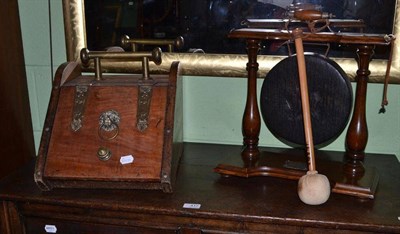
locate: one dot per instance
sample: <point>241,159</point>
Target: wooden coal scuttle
<point>112,131</point>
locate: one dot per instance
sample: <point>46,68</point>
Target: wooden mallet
<point>313,188</point>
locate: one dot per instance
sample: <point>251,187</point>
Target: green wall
<point>213,105</point>
<point>214,108</point>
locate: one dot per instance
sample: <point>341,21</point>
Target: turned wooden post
<point>251,123</point>
<point>357,133</point>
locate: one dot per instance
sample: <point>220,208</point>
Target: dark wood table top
<point>259,200</point>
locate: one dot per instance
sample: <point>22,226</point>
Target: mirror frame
<point>219,65</point>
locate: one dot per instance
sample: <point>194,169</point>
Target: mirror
<point>212,63</point>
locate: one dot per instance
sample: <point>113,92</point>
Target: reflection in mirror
<point>205,24</point>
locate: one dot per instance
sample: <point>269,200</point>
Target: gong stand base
<point>346,177</point>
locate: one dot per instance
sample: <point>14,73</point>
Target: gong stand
<point>353,178</point>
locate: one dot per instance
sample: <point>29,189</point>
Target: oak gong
<point>330,96</point>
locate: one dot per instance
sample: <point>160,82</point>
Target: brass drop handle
<point>126,41</point>
<point>109,125</point>
<point>145,57</point>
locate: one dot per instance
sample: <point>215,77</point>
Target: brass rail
<point>134,42</point>
<point>145,57</point>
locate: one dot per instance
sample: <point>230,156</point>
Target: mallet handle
<point>305,103</point>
